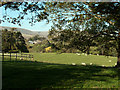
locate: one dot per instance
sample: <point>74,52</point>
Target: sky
<point>39,26</point>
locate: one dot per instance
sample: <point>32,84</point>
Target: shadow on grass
<point>28,74</point>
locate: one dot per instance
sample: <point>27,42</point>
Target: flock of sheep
<point>90,63</point>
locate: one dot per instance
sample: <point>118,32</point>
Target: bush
<point>13,51</point>
<point>40,47</point>
<point>63,50</point>
<point>59,52</point>
<point>71,50</point>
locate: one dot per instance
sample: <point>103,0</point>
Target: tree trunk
<point>118,51</point>
<point>88,50</point>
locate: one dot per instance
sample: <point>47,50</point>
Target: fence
<point>16,56</point>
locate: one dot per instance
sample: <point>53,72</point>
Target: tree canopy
<point>13,42</point>
<point>97,18</point>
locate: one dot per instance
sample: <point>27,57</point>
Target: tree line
<point>13,41</point>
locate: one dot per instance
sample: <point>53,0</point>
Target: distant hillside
<point>27,33</point>
<point>42,33</point>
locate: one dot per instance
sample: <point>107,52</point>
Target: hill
<point>27,33</point>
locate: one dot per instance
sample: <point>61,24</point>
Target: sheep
<point>78,54</point>
<point>21,58</point>
<point>97,54</point>
<point>90,63</point>
<point>73,64</point>
<point>103,65</point>
<point>85,54</point>
<point>115,64</point>
<point>83,64</point>
<point>32,59</point>
<point>109,60</point>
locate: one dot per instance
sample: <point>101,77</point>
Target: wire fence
<point>16,56</point>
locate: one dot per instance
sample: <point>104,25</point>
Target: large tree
<point>109,13</point>
<point>98,18</point>
<point>13,42</point>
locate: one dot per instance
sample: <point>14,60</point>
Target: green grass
<point>55,71</point>
<point>24,74</point>
<point>69,58</point>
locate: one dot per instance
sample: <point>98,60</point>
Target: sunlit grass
<point>69,58</point>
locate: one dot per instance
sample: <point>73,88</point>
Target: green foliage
<point>94,17</point>
<point>71,39</point>
<point>24,8</point>
<point>40,47</point>
<point>13,41</point>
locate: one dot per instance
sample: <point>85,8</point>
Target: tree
<point>68,38</point>
<point>13,41</point>
<point>40,47</point>
<point>99,18</point>
<point>110,13</point>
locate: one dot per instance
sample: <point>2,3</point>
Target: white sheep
<point>103,65</point>
<point>83,64</point>
<point>73,64</point>
<point>83,54</point>
<point>78,54</point>
<point>115,64</point>
<point>21,58</point>
<point>97,54</point>
<point>90,63</point>
<point>109,60</point>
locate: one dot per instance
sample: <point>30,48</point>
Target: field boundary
<point>17,56</point>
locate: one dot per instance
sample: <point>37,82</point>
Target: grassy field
<point>55,71</point>
<point>69,58</point>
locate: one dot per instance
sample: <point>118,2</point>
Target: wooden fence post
<point>2,56</point>
<point>10,56</point>
<point>26,56</point>
<point>32,58</point>
<point>16,56</point>
<point>29,56</point>
<point>21,56</point>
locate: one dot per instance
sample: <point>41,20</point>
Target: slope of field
<point>69,58</point>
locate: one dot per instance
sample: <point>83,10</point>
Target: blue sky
<point>39,26</point>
